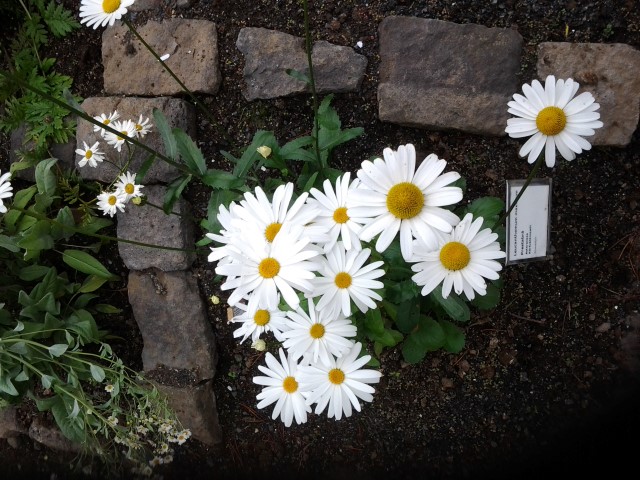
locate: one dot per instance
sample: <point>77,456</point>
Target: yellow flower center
<point>112,200</point>
<point>551,121</point>
<point>262,317</point>
<point>336,376</point>
<point>340,215</point>
<point>290,385</point>
<point>129,188</point>
<point>343,280</point>
<point>106,121</point>
<point>138,127</point>
<point>405,200</point>
<point>271,231</point>
<point>88,154</point>
<point>123,135</point>
<point>455,256</point>
<point>317,330</point>
<point>110,6</point>
<point>269,267</point>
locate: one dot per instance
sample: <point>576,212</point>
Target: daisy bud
<point>259,345</point>
<point>215,300</point>
<point>264,151</point>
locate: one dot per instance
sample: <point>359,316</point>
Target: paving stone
<point>51,436</point>
<point>64,152</point>
<point>148,224</point>
<point>445,76</point>
<point>610,72</point>
<point>9,425</point>
<point>179,114</point>
<point>172,319</point>
<point>130,69</point>
<point>269,53</point>
<point>195,407</point>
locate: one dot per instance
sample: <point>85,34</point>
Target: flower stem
<point>532,174</point>
<point>195,100</point>
<point>312,82</point>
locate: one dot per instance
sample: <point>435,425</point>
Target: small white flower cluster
<point>272,250</point>
<point>125,188</point>
<point>147,430</point>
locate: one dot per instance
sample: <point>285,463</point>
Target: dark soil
<point>547,381</point>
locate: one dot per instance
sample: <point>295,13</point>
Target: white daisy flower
<point>91,155</point>
<point>227,218</point>
<point>258,321</point>
<point>99,13</point>
<point>281,386</point>
<point>127,129</point>
<point>111,202</point>
<point>267,217</point>
<point>553,118</point>
<point>398,198</point>
<point>105,120</point>
<point>344,277</point>
<point>334,215</point>
<point>142,126</point>
<point>127,184</point>
<point>262,269</point>
<point>460,260</point>
<point>340,384</point>
<point>317,335</point>
<point>6,190</point>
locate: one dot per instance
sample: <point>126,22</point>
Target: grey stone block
<point>130,69</point>
<point>445,76</point>
<point>148,224</point>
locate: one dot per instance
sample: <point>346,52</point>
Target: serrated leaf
<point>189,152</point>
<point>173,192</point>
<point>408,315</point>
<point>85,263</point>
<point>488,301</point>
<point>169,140</point>
<point>219,179</point>
<point>429,334</point>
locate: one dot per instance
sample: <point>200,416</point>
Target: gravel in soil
<point>547,381</point>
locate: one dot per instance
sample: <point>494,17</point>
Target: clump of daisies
<point>302,270</point>
<point>125,186</point>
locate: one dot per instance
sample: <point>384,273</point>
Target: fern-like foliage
<point>44,120</point>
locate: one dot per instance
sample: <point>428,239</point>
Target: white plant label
<point>528,222</point>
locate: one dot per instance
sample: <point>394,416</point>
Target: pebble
<point>603,327</point>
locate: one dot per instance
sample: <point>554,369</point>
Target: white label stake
<point>528,223</point>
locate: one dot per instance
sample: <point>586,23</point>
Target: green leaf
<point>454,337</point>
<point>97,373</point>
<point>385,338</point>
<point>94,225</point>
<point>69,426</point>
<point>57,349</point>
<point>488,301</point>
<point>33,272</point>
<point>106,308</point>
<point>64,219</point>
<point>9,243</point>
<point>408,315</point>
<point>85,263</point>
<point>250,154</point>
<point>292,72</point>
<point>6,386</point>
<point>92,283</point>
<point>20,200</point>
<point>36,239</point>
<point>144,168</point>
<point>190,153</point>
<point>46,380</point>
<point>220,179</point>
<point>453,305</point>
<point>169,140</point>
<point>412,351</point>
<point>486,207</point>
<point>174,190</point>
<point>373,322</point>
<point>45,179</point>
<point>429,334</point>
